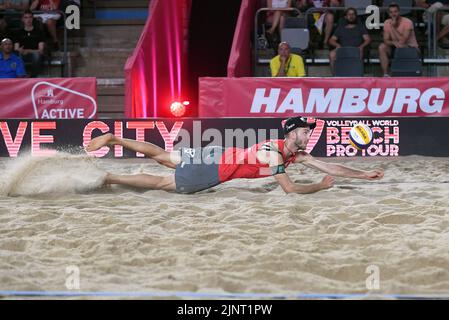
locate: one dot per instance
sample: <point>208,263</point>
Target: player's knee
<point>164,159</point>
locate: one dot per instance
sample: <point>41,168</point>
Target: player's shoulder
<point>303,156</point>
<point>268,152</point>
<point>269,145</point>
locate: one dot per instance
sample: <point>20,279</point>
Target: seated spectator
<point>286,64</point>
<point>30,43</point>
<point>442,18</point>
<point>398,33</point>
<point>351,33</point>
<point>11,66</point>
<point>4,30</point>
<point>49,18</point>
<point>277,17</point>
<point>19,5</point>
<point>12,8</point>
<point>325,19</point>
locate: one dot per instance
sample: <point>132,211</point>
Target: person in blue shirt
<point>11,66</point>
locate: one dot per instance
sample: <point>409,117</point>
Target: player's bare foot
<point>101,141</point>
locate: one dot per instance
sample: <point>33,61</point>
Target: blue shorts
<point>198,169</point>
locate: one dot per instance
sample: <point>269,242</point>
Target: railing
<point>434,33</point>
<point>64,72</point>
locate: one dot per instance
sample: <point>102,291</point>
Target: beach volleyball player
<point>200,169</point>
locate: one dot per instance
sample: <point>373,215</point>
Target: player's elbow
<point>290,188</point>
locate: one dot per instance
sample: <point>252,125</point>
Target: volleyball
<point>360,136</point>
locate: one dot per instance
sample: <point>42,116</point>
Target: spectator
<point>286,64</point>
<point>4,30</point>
<point>12,9</point>
<point>277,17</point>
<point>49,18</point>
<point>30,43</point>
<point>11,66</point>
<point>351,33</point>
<point>442,18</point>
<point>19,5</point>
<point>398,33</point>
<point>325,19</point>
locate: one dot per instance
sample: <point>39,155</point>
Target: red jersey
<point>45,5</point>
<point>239,163</point>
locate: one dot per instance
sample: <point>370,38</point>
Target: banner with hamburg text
<point>324,97</point>
<point>55,98</point>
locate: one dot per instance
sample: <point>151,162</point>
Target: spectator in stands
<point>19,5</point>
<point>30,43</point>
<point>4,30</point>
<point>442,18</point>
<point>325,19</point>
<point>398,33</point>
<point>286,64</point>
<point>49,18</point>
<point>351,33</point>
<point>13,8</point>
<point>276,17</point>
<point>11,66</point>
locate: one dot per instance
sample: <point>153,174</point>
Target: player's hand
<point>327,182</point>
<point>374,175</point>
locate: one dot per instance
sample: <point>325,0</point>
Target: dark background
<point>211,31</point>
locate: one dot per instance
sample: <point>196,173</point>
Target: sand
<point>244,236</point>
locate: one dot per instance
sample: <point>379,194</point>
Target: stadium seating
<point>348,63</point>
<point>359,5</point>
<point>406,63</point>
<point>298,38</point>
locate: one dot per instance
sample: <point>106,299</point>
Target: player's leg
<point>168,159</point>
<point>146,181</point>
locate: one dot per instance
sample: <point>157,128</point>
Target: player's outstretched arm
<point>276,165</point>
<point>290,187</point>
<point>339,170</point>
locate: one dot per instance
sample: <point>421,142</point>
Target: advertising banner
<point>392,137</point>
<point>55,98</point>
<point>324,97</point>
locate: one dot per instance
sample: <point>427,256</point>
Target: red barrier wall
<point>53,98</point>
<point>240,59</point>
<point>323,97</point>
